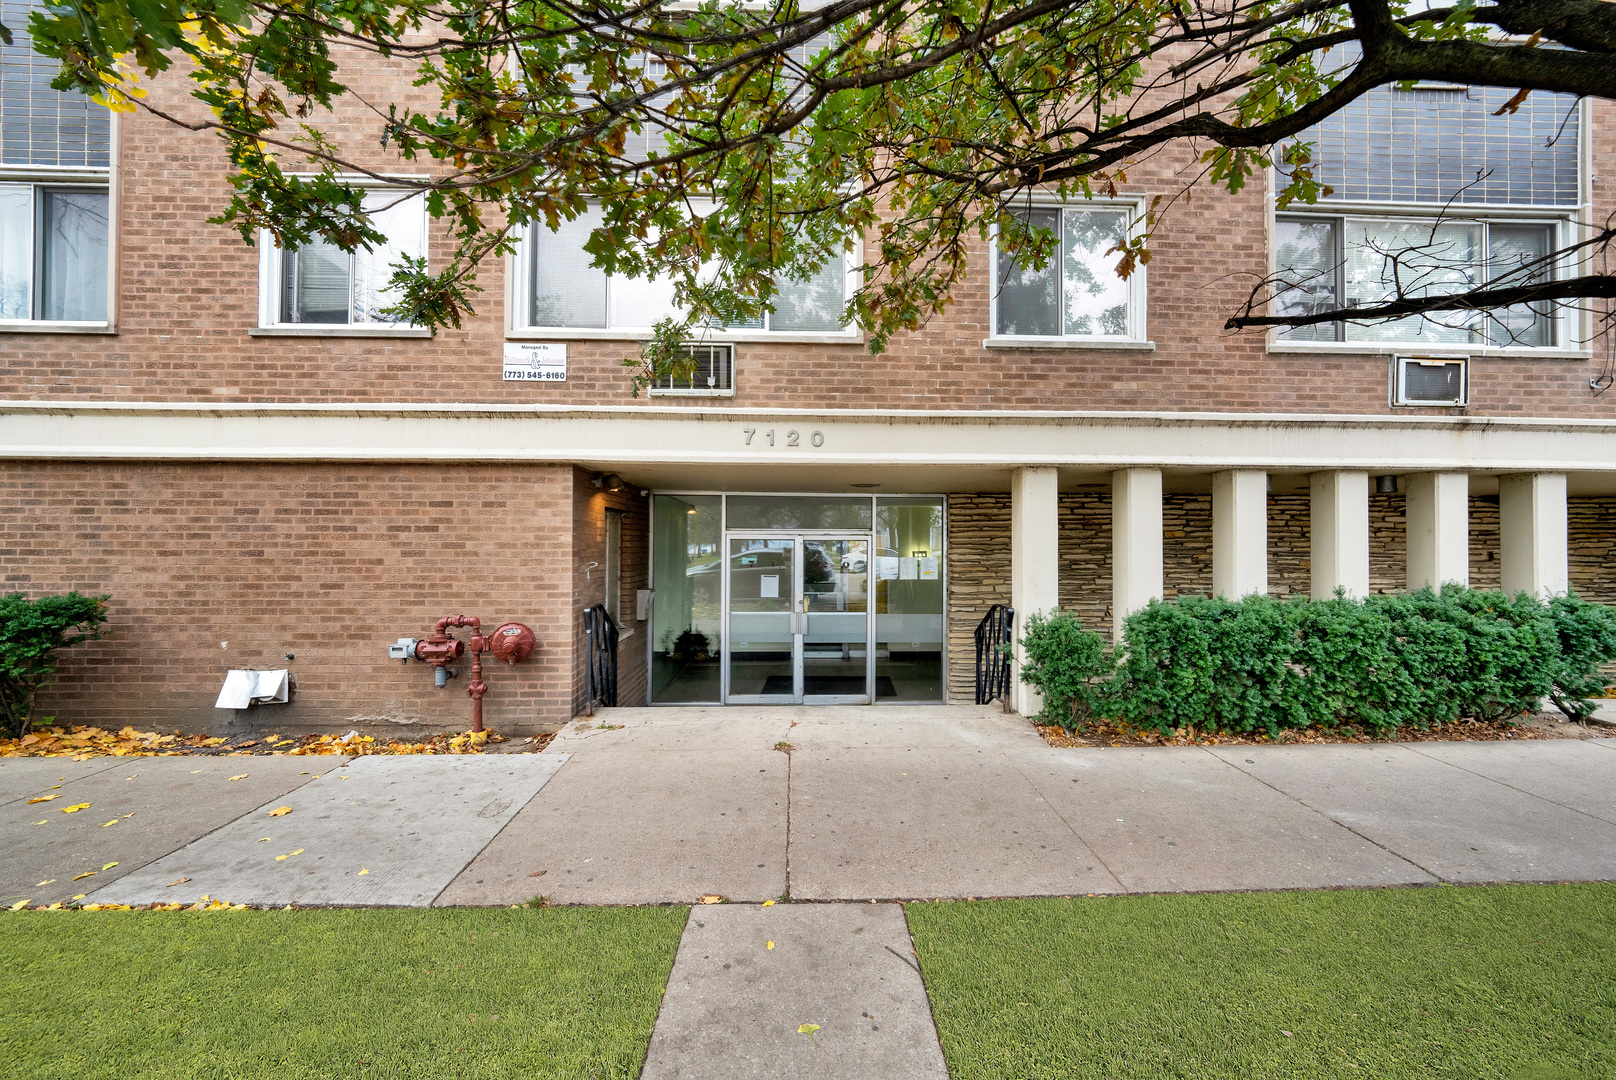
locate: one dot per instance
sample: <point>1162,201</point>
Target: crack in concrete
<point>1512,787</point>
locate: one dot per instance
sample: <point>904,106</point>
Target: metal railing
<point>994,635</point>
<point>600,658</point>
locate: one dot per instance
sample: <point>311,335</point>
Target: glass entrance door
<point>798,615</point>
<point>763,643</point>
<point>836,617</point>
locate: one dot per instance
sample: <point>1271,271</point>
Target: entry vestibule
<point>785,599</point>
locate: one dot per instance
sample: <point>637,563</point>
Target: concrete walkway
<point>667,805</point>
<point>897,802</point>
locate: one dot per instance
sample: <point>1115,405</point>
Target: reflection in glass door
<point>763,645</point>
<point>836,632</point>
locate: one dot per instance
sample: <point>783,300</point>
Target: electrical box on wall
<point>642,604</point>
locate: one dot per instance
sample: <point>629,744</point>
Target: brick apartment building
<point>261,474</point>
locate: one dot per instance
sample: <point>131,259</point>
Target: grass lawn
<point>1515,982</point>
<point>302,994</point>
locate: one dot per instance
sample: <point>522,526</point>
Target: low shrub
<point>1261,664</point>
<point>1066,663</point>
<point>31,632</point>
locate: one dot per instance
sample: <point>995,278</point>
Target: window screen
<point>567,290</point>
<point>322,284</point>
<point>38,125</point>
<point>1078,294</point>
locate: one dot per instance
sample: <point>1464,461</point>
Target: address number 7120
<point>792,437</point>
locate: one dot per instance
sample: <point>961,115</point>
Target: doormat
<point>842,685</point>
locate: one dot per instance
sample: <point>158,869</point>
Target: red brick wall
<point>218,566</point>
<point>189,295</point>
<point>589,507</point>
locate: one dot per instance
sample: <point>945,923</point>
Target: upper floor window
<point>1433,194</point>
<point>319,284</point>
<point>1078,293</point>
<point>557,289</point>
<point>55,161</point>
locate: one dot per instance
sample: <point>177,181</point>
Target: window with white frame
<point>319,284</point>
<point>558,289</point>
<point>55,205</point>
<point>1433,194</point>
<point>1078,293</point>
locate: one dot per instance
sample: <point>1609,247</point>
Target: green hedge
<point>1261,664</point>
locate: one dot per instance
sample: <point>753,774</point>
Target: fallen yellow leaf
<point>81,896</point>
<point>42,884</point>
<point>87,873</point>
<point>19,905</point>
<point>768,903</point>
<point>299,851</point>
<point>239,776</point>
<point>771,944</point>
<point>263,839</point>
<point>114,821</point>
<point>43,798</point>
<point>280,811</point>
<point>109,866</point>
<point>75,808</point>
<point>41,822</point>
<point>807,1029</point>
<point>176,881</point>
<point>711,900</point>
<point>362,872</point>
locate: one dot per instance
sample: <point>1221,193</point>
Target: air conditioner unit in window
<point>712,372</point>
<point>1430,380</point>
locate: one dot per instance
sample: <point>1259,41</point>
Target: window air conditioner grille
<point>713,372</point>
<point>1423,380</point>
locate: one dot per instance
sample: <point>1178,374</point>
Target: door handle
<point>799,622</point>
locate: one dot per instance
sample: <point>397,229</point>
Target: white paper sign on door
<point>908,568</point>
<point>769,586</point>
<point>929,567</point>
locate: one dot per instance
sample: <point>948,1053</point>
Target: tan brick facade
<point>215,565</point>
<point>979,555</point>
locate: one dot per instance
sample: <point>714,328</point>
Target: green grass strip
<point>477,994</point>
<point>1514,982</point>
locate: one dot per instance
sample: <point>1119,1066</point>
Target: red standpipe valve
<point>512,643</point>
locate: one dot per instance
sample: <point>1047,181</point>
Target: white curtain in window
<point>403,222</point>
<point>16,250</point>
<point>814,303</point>
<point>1096,298</point>
<point>566,291</point>
<point>1413,259</point>
<point>638,302</point>
<point>74,280</point>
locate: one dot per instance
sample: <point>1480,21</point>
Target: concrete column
<point>1438,529</point>
<point>1034,564</point>
<point>1533,546</point>
<point>1340,533</point>
<point>1136,543</point>
<point>1239,533</point>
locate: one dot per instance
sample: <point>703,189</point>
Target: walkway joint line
<point>1512,787</point>
<point>1329,817</point>
<point>1069,827</point>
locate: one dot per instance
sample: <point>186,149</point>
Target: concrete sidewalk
<point>929,802</point>
<point>666,805</point>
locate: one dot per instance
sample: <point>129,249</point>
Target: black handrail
<point>600,658</point>
<point>994,635</point>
